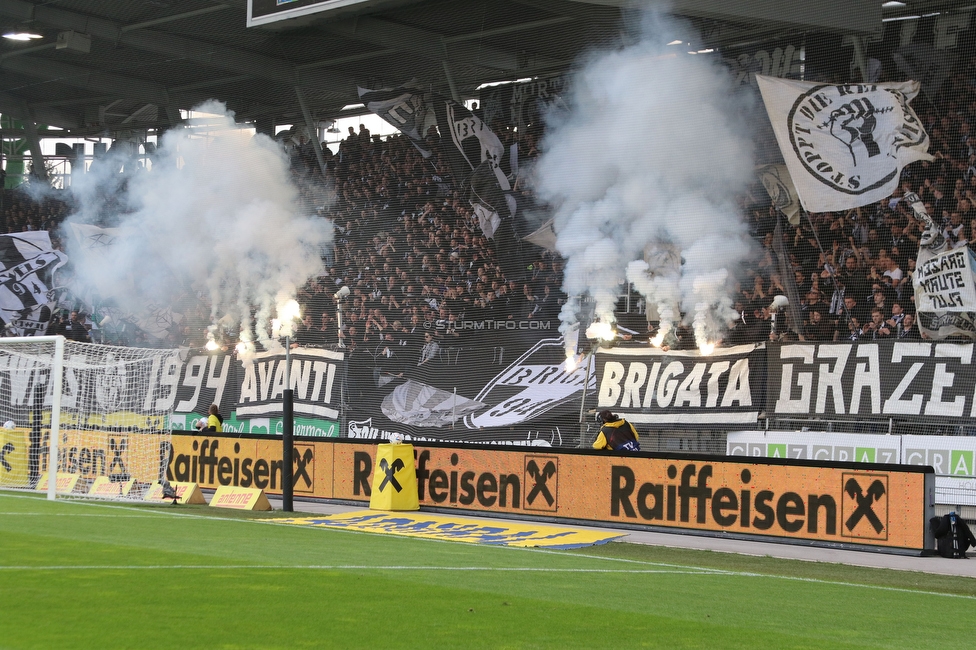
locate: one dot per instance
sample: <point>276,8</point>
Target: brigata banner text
<point>652,386</point>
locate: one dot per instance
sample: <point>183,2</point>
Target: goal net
<point>102,411</point>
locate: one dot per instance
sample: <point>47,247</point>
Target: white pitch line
<point>565,553</point>
<point>71,514</point>
<point>333,567</point>
<point>363,567</point>
<point>838,583</point>
<point>683,569</point>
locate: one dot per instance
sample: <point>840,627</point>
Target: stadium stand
<point>408,245</point>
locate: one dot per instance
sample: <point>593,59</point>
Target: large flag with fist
<point>844,145</point>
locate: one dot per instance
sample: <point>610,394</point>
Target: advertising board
<point>835,503</point>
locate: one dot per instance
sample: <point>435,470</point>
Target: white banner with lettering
<point>945,292</point>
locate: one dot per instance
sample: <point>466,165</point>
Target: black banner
<point>249,394</point>
<point>775,59</point>
<point>652,387</point>
<point>506,386</point>
<point>521,105</point>
<point>513,387</point>
<point>881,379</point>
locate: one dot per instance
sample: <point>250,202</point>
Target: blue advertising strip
<point>460,529</point>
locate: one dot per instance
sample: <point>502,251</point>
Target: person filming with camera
<point>616,434</point>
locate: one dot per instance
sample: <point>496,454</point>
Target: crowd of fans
<point>20,213</point>
<point>407,245</point>
<point>853,270</point>
<point>410,249</point>
<point>418,267</point>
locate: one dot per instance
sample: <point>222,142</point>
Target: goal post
<point>57,381</point>
<point>84,419</point>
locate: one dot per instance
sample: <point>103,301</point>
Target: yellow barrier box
<point>187,493</point>
<point>103,486</point>
<point>394,479</point>
<point>13,457</point>
<point>239,498</point>
<point>65,485</point>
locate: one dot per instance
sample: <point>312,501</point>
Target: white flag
<point>27,285</point>
<point>844,145</point>
<point>776,179</point>
<point>945,292</point>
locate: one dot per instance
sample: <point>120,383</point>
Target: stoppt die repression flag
<point>844,145</point>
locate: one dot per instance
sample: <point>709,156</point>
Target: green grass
<point>96,575</point>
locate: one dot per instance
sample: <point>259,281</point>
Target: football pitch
<point>82,574</point>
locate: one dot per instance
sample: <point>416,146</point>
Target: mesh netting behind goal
<point>110,414</point>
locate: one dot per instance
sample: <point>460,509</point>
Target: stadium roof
<point>112,65</point>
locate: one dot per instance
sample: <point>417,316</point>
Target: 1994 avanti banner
<point>250,394</point>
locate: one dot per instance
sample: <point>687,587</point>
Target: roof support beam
<point>428,44</point>
<point>215,56</point>
<point>136,114</point>
<point>88,79</point>
<point>313,132</point>
<point>450,82</point>
<point>386,51</point>
<point>16,106</point>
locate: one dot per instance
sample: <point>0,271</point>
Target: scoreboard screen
<point>263,12</point>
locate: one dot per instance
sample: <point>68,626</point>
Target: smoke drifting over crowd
<point>644,166</point>
<point>217,216</point>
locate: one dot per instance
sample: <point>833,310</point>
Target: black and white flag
<point>406,108</point>
<point>474,153</point>
<point>27,287</point>
<point>844,145</point>
<point>923,62</point>
<point>776,179</point>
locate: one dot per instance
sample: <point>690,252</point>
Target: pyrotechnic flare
<point>217,214</point>
<point>667,171</point>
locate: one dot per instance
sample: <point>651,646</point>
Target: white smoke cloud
<point>217,215</point>
<point>649,155</point>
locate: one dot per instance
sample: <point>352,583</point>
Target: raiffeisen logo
<point>687,497</point>
<point>535,489</point>
<point>215,462</point>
